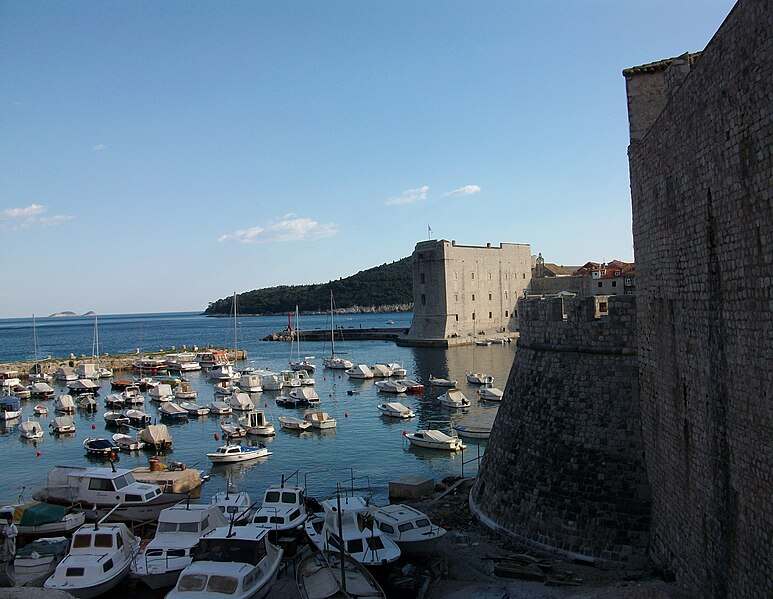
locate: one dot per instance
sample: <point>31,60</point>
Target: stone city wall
<point>564,470</point>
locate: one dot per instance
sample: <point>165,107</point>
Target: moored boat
<point>320,420</point>
<point>62,425</point>
<point>256,423</point>
<point>127,442</point>
<point>472,432</point>
<point>409,528</point>
<point>395,409</point>
<point>390,387</point>
<point>490,394</point>
<point>31,429</point>
<point>361,371</point>
<point>440,382</point>
<point>322,575</point>
<point>10,408</point>
<point>228,454</point>
<point>454,398</point>
<point>480,378</point>
<point>283,511</point>
<point>35,519</point>
<point>411,386</point>
<point>220,408</point>
<point>293,424</point>
<point>232,430</point>
<point>64,404</point>
<point>194,409</point>
<point>172,411</point>
<point>434,439</point>
<point>36,561</point>
<point>100,447</point>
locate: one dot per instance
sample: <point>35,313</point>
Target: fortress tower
<point>463,291</point>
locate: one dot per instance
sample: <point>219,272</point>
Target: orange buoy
<point>217,437</point>
<point>38,454</point>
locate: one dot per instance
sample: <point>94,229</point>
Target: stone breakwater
<point>115,362</point>
<point>563,472</point>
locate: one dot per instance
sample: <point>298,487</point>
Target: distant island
<point>67,314</point>
<point>385,288</point>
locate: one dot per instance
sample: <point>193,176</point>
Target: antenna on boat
<point>341,544</point>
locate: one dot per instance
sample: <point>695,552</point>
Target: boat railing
<point>347,489</point>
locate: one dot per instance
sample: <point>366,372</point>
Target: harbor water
<point>365,449</point>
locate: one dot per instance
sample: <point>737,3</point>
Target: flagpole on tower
<point>429,232</point>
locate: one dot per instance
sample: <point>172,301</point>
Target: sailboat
<point>478,378</point>
<point>104,373</point>
<point>333,361</point>
<point>36,374</point>
<point>295,339</point>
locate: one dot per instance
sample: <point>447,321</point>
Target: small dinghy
<point>228,454</point>
<point>472,432</point>
<point>390,387</point>
<point>138,418</point>
<point>479,378</point>
<point>87,403</point>
<point>100,447</point>
<point>115,419</point>
<point>233,504</point>
<point>40,410</point>
<point>454,398</point>
<point>435,439</point>
<point>293,424</point>
<point>36,561</point>
<point>62,425</point>
<point>321,576</point>
<point>171,411</point>
<point>220,408</point>
<point>256,424</point>
<point>232,430</point>
<point>490,394</point>
<point>194,409</point>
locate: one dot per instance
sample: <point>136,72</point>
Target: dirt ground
<point>463,566</point>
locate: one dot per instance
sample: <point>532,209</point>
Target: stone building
<point>701,170</point>
<point>464,291</point>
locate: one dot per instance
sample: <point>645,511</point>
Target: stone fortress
<point>646,432</point>
<point>461,292</point>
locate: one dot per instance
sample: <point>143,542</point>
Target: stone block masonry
<point>564,469</point>
<point>701,167</point>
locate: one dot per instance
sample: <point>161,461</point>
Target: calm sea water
<point>365,445</point>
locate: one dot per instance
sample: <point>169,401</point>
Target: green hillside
<point>385,285</point>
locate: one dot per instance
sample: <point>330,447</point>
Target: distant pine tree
<point>385,285</point>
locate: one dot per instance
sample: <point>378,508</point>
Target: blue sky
<point>155,156</point>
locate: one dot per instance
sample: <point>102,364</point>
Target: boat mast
<point>236,361</point>
<point>332,328</point>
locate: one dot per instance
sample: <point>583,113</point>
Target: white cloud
<point>409,196</point>
<point>99,147</point>
<point>467,190</point>
<point>290,228</point>
<point>29,216</point>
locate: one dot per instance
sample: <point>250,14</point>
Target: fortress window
<point>614,283</point>
<point>524,275</point>
<point>473,297</point>
<point>601,283</point>
<point>473,315</point>
<point>473,274</point>
<point>490,315</point>
<point>422,278</point>
<point>489,297</point>
<point>423,300</point>
<point>505,313</point>
<point>515,313</point>
<point>457,317</point>
<point>455,277</point>
<point>489,276</point>
<point>456,297</point>
<point>505,294</point>
<point>505,275</point>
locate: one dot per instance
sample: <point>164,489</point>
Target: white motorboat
<point>271,381</point>
<point>80,386</point>
<point>30,430</point>
<point>283,511</point>
<point>333,361</point>
<point>361,371</point>
<point>9,379</point>
<point>237,562</point>
<point>220,408</point>
<point>109,489</point>
<point>185,391</point>
<point>100,447</point>
<point>228,454</point>
<point>235,505</point>
<point>409,528</point>
<point>490,394</point>
<point>256,423</point>
<point>132,396</point>
<point>480,378</point>
<point>483,342</point>
<point>411,386</point>
<point>150,366</point>
<point>64,404</point>
<point>396,410</point>
<point>381,370</point>
<point>438,382</point>
<point>289,378</point>
<point>345,520</point>
<point>299,364</point>
<point>469,431</point>
<point>98,560</point>
<point>293,424</point>
<point>454,398</point>
<point>435,439</point>
<point>390,387</point>
<point>223,372</point>
<point>127,442</point>
<point>182,362</point>
<point>36,561</point>
<point>62,425</point>
<point>320,420</point>
<point>21,392</point>
<point>304,377</point>
<point>161,393</point>
<point>115,400</point>
<point>210,359</point>
<point>397,369</point>
<point>87,371</point>
<point>138,418</point>
<point>251,383</point>
<point>36,519</point>
<point>322,575</point>
<point>225,388</point>
<point>172,411</point>
<point>160,563</point>
<point>232,430</point>
<point>43,390</point>
<point>65,374</point>
<point>10,408</point>
<point>305,395</point>
<point>290,402</point>
<point>194,409</point>
<point>40,410</point>
<point>241,402</point>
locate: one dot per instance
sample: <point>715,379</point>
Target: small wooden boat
<point>293,424</point>
<point>228,454</point>
<point>396,410</point>
<point>231,430</point>
<point>320,420</point>
<point>472,432</point>
<point>320,576</point>
<point>36,519</point>
<point>36,561</point>
<point>40,410</point>
<point>434,439</point>
<point>30,430</point>
<point>438,382</point>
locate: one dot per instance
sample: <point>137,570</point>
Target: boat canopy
<point>36,514</point>
<point>156,434</point>
<point>12,402</point>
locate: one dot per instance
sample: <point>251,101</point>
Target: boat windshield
<point>230,550</point>
<point>272,497</point>
<point>122,481</point>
